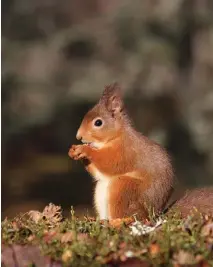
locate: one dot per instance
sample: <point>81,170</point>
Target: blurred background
<point>56,58</point>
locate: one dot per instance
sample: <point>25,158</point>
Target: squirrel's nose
<point>78,136</point>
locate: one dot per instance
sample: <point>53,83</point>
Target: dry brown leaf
<point>117,223</point>
<point>67,237</point>
<point>205,264</point>
<point>16,226</point>
<point>35,215</point>
<point>50,235</point>
<point>202,262</point>
<point>123,257</point>
<point>122,245</point>
<point>52,214</point>
<point>31,238</point>
<point>154,249</point>
<point>67,255</point>
<point>82,237</point>
<point>184,257</point>
<point>199,258</point>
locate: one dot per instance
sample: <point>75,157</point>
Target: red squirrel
<point>132,172</point>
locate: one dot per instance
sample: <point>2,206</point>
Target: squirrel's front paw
<point>77,152</point>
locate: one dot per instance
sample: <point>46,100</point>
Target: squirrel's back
<point>154,159</point>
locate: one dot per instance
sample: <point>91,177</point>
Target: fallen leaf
<point>52,214</point>
<point>50,235</point>
<point>122,245</point>
<point>67,255</point>
<point>16,226</point>
<point>205,264</point>
<point>154,249</point>
<point>35,215</point>
<point>82,237</point>
<point>117,223</point>
<point>67,237</point>
<point>184,257</point>
<point>123,257</point>
<point>31,238</point>
<point>199,258</point>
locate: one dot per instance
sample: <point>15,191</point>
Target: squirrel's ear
<point>112,99</point>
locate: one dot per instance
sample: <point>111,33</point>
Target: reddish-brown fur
<point>136,171</point>
<point>139,170</point>
<point>126,198</point>
<point>200,200</point>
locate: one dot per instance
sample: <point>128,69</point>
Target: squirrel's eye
<point>98,123</point>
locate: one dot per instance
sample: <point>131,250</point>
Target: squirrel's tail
<point>200,200</point>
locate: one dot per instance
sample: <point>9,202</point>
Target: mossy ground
<point>91,242</point>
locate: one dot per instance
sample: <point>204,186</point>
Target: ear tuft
<point>111,89</point>
<point>112,98</point>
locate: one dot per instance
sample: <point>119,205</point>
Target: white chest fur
<point>101,195</point>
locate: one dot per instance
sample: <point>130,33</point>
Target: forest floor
<point>47,239</point>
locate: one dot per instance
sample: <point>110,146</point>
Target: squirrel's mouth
<point>91,144</point>
<point>87,142</point>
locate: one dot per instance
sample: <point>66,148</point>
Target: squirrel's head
<point>104,122</point>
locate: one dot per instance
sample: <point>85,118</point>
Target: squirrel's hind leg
<point>126,198</point>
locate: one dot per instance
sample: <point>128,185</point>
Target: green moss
<point>92,242</point>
